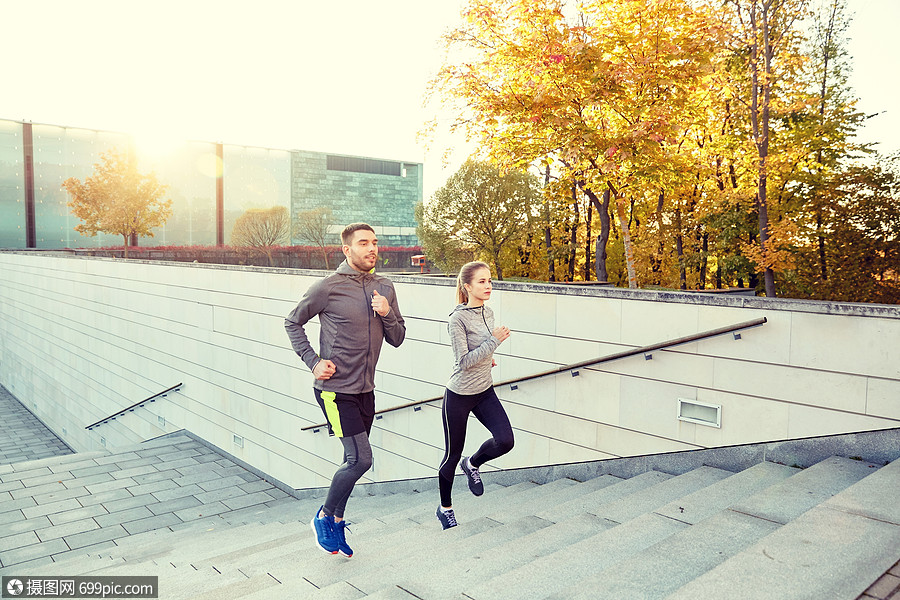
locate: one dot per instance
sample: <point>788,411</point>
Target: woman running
<point>471,388</point>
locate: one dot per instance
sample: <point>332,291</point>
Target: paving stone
<point>278,494</point>
<point>110,485</point>
<point>234,469</point>
<point>44,479</point>
<point>154,522</point>
<point>179,492</point>
<point>220,494</point>
<point>65,529</point>
<point>89,538</point>
<point>136,462</point>
<point>153,487</point>
<point>123,516</point>
<point>256,486</point>
<point>61,495</point>
<point>197,469</point>
<point>74,465</point>
<point>116,458</point>
<point>90,480</point>
<point>215,484</point>
<point>32,552</point>
<point>24,524</point>
<point>11,485</point>
<point>20,475</point>
<point>11,516</point>
<point>181,463</point>
<point>20,504</point>
<point>245,500</point>
<point>203,510</point>
<point>51,507</point>
<point>174,505</point>
<point>17,540</point>
<point>169,473</point>
<point>82,551</point>
<point>77,514</point>
<point>197,477</point>
<point>126,503</point>
<point>28,566</point>
<point>47,488</point>
<point>104,497</point>
<point>140,470</point>
<point>177,455</point>
<point>885,585</point>
<point>94,470</point>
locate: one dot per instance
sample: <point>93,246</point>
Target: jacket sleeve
<point>464,357</point>
<point>393,324</point>
<point>312,303</point>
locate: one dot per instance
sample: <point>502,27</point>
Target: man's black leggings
<point>357,460</point>
<point>487,408</point>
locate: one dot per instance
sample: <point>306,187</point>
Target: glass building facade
<point>210,186</point>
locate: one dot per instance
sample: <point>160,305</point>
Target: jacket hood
<point>461,307</point>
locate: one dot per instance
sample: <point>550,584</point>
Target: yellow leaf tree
<point>118,199</point>
<point>603,94</point>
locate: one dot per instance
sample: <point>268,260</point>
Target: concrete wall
<point>81,338</point>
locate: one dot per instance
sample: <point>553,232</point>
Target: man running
<point>357,310</point>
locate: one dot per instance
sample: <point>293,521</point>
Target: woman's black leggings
<point>487,408</point>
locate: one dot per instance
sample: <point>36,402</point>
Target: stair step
<point>606,494</point>
<point>715,535</point>
<point>794,496</point>
<point>834,550</point>
<point>476,566</point>
<point>545,574</point>
<point>433,562</point>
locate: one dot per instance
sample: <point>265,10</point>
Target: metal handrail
<point>645,350</point>
<point>134,406</point>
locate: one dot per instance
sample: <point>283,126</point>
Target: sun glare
<point>155,144</point>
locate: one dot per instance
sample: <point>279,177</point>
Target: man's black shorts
<point>347,414</point>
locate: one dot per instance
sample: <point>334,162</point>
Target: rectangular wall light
<point>701,413</point>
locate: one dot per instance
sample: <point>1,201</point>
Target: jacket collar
<point>345,269</point>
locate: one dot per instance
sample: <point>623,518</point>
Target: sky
<point>343,76</point>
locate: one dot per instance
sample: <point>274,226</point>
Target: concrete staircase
<point>768,531</point>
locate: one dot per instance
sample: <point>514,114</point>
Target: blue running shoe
<point>447,518</point>
<point>472,474</point>
<point>325,536</point>
<point>343,548</point>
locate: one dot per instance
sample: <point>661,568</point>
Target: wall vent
<point>701,413</point>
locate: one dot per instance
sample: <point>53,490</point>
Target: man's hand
<point>324,369</point>
<point>380,304</point>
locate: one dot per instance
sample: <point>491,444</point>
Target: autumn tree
<point>482,210</point>
<point>600,94</point>
<point>314,226</point>
<point>766,40</point>
<point>261,230</point>
<point>118,199</point>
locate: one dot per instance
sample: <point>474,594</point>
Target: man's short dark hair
<point>349,230</point>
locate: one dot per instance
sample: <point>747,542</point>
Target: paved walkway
<point>23,436</point>
<point>55,503</point>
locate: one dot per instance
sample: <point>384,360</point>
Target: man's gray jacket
<point>350,333</point>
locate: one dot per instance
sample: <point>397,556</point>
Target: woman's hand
<point>501,333</point>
